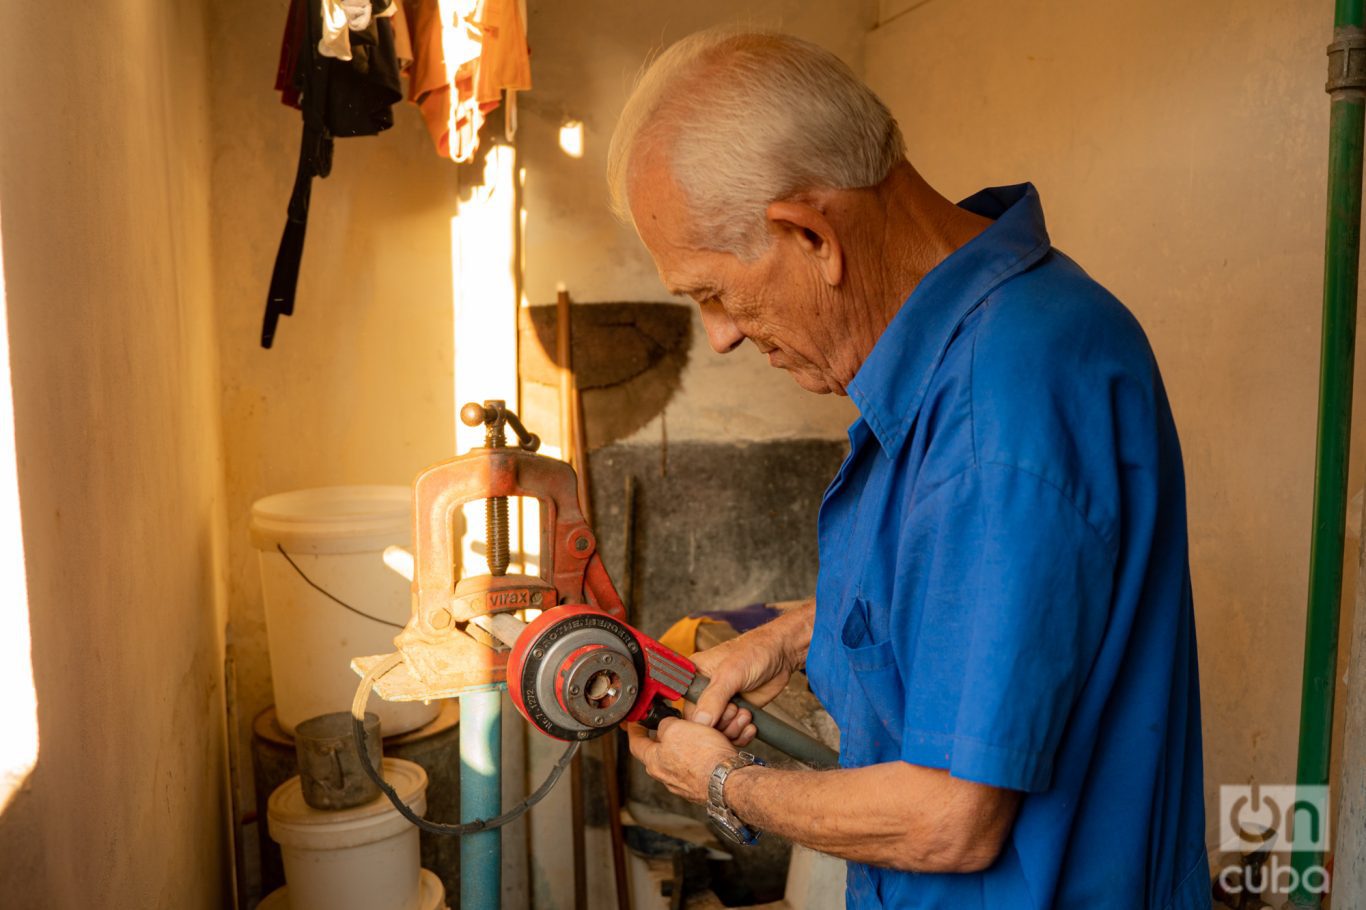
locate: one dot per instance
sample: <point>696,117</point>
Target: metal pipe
<point>579,844</point>
<point>481,792</point>
<point>503,626</point>
<point>1341,261</point>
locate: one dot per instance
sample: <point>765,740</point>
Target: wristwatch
<point>720,813</point>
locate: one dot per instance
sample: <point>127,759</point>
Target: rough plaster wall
<point>358,387</point>
<point>586,57</point>
<point>104,164</point>
<point>1349,846</point>
<point>1180,150</point>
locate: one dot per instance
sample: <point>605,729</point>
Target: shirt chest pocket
<point>875,698</point>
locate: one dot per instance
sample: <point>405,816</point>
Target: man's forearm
<point>896,814</point>
<point>794,628</point>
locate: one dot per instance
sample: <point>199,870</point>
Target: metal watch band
<point>720,813</point>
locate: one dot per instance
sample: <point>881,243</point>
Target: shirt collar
<point>891,384</point>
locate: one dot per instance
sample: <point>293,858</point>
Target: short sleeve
<point>1015,588</point>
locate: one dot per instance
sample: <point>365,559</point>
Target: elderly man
<point>1002,626</point>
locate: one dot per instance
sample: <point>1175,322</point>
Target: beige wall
<point>104,162</point>
<point>358,386</point>
<point>1180,151</point>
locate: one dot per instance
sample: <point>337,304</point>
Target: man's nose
<point>723,334</point>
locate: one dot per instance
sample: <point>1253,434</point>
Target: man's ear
<point>815,236</point>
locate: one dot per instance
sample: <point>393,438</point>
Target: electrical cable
<point>334,598</point>
<point>474,827</point>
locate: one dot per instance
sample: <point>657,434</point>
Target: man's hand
<point>757,664</point>
<point>682,756</point>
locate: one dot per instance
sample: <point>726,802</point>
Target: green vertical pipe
<point>481,796</point>
<point>1348,14</point>
<point>1340,268</point>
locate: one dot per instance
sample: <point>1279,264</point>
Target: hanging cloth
<point>466,53</point>
<point>342,17</point>
<point>338,98</point>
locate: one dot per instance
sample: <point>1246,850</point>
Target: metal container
<point>330,769</point>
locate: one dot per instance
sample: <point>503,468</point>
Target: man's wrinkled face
<point>775,300</point>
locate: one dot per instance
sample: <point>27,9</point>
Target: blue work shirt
<point>1004,588</point>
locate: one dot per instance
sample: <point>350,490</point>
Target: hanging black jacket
<point>338,98</point>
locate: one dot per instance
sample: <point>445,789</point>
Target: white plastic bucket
<point>336,536</point>
<point>431,896</point>
<point>364,858</point>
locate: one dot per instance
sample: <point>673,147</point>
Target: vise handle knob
<point>473,414</point>
<point>494,414</point>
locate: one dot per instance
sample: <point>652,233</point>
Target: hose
<point>480,824</point>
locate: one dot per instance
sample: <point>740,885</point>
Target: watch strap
<point>717,809</point>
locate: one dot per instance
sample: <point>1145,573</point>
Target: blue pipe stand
<point>481,792</point>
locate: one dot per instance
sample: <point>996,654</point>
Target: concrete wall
<point>586,57</point>
<point>104,164</point>
<point>1349,846</point>
<point>1180,150</point>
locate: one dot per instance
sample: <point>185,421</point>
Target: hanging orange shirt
<point>465,54</point>
<point>504,61</point>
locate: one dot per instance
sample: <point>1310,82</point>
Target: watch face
<point>741,834</point>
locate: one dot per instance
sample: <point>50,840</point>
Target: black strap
<point>339,98</point>
<point>315,158</point>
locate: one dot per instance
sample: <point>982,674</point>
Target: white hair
<point>749,118</point>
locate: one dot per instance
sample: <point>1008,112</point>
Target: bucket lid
<point>295,823</point>
<point>431,895</point>
<point>353,519</point>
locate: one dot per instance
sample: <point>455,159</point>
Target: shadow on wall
<point>628,360</point>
